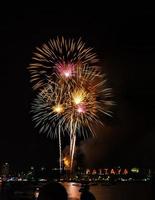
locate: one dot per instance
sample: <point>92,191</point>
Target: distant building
<point>5,169</point>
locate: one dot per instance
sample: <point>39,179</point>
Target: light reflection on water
<point>73,190</point>
<point>120,191</point>
<point>128,191</point>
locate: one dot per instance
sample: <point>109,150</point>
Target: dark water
<point>125,191</point>
<point>121,191</point>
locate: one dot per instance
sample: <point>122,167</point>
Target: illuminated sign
<point>107,171</point>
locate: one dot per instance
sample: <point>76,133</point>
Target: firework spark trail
<point>71,133</point>
<point>73,90</point>
<point>60,152</point>
<point>72,146</point>
<point>73,128</point>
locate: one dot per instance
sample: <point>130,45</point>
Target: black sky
<point>124,40</point>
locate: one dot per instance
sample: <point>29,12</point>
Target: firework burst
<point>73,90</point>
<point>48,109</point>
<point>60,56</point>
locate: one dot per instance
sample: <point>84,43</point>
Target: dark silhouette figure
<point>86,194</point>
<point>7,192</point>
<point>153,186</point>
<point>53,191</point>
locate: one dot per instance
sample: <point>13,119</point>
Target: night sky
<point>125,42</point>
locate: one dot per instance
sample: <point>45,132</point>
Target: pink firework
<point>81,108</point>
<point>65,70</point>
